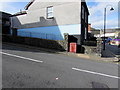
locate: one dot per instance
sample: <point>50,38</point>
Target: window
<point>50,12</point>
<point>86,17</point>
<point>83,12</point>
<point>85,33</point>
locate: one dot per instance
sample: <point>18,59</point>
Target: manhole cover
<point>100,85</point>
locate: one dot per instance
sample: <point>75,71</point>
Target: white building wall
<point>67,19</point>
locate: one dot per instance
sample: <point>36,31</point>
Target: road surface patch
<point>81,70</point>
<point>21,57</point>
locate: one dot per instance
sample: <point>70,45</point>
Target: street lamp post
<point>105,24</point>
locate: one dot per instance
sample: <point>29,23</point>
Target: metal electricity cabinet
<point>73,47</point>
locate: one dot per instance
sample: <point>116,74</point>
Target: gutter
<point>19,13</point>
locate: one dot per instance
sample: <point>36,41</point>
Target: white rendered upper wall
<point>65,13</point>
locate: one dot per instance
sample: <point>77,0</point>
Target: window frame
<point>48,12</point>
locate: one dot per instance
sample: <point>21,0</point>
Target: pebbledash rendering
<point>51,20</point>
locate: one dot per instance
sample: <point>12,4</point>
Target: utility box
<point>73,47</point>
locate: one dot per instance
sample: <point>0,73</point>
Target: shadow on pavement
<point>111,51</point>
<point>27,48</point>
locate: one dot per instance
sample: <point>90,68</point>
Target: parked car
<point>108,40</point>
<point>115,42</point>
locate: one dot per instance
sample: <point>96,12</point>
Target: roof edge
<point>29,4</point>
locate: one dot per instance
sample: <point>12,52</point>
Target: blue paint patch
<point>51,32</point>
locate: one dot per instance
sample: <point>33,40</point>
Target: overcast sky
<point>96,10</point>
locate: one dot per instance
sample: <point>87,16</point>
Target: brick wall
<point>89,28</point>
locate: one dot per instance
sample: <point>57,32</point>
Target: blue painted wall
<point>51,32</point>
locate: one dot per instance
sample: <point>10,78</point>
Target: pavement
<point>113,48</point>
<point>24,67</point>
<point>112,51</point>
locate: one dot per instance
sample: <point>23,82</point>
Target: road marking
<point>30,59</point>
<point>81,70</point>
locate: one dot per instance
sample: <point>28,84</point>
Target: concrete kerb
<point>118,58</point>
<point>78,55</point>
<point>85,56</point>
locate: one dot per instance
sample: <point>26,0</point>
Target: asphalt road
<point>31,68</point>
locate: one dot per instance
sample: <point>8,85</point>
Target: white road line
<point>81,70</point>
<point>30,59</point>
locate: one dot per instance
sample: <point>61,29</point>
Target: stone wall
<point>99,47</point>
<point>94,50</point>
<point>51,44</point>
